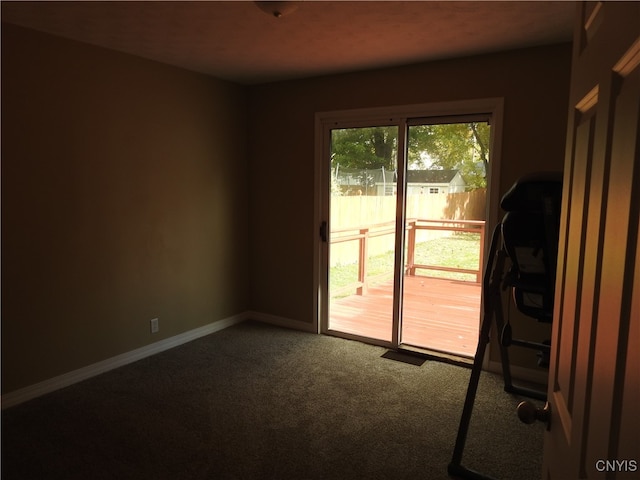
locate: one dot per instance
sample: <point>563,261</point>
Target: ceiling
<point>238,41</point>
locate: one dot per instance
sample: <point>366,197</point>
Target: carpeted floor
<point>256,401</point>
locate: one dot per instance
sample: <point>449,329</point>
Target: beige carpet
<point>256,401</point>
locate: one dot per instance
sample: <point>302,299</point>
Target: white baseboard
<point>281,321</point>
<point>22,395</point>
<point>47,386</point>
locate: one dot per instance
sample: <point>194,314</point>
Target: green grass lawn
<point>460,250</point>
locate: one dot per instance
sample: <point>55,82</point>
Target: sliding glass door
<point>445,202</point>
<point>363,232</point>
<point>404,233</point>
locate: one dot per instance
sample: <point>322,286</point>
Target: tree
<point>455,146</point>
<point>368,148</point>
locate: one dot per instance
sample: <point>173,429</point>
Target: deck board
<point>438,314</point>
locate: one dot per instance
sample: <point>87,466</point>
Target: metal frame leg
<point>492,311</point>
<point>491,289</point>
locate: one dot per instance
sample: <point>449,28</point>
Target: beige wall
<point>123,199</point>
<point>133,190</point>
<point>533,82</point>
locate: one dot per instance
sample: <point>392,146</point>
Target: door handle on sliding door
<point>323,231</point>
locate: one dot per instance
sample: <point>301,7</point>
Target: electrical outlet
<point>154,325</point>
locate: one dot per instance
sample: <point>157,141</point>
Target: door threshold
<point>438,356</point>
<point>428,354</point>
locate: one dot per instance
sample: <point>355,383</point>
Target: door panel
<point>443,260</point>
<point>362,231</point>
<point>594,375</point>
<point>613,342</point>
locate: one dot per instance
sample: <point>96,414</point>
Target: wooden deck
<point>438,314</point>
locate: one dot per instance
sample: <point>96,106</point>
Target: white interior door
<point>594,384</point>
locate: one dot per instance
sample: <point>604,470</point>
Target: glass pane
<point>445,208</point>
<point>362,230</point>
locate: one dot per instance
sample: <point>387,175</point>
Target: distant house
<point>383,182</point>
<point>434,181</point>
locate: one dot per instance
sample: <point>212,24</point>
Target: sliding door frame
<point>401,116</point>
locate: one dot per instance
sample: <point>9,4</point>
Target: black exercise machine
<point>527,238</point>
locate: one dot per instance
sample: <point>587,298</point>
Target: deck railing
<point>363,235</point>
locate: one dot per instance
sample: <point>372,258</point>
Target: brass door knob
<point>528,413</point>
